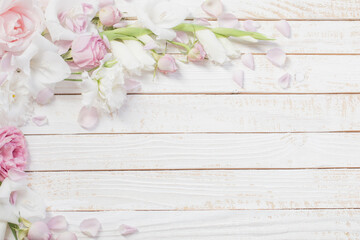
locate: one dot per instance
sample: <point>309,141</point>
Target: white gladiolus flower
<point>213,48</point>
<point>124,55</point>
<point>230,50</point>
<point>160,16</point>
<point>144,57</point>
<point>105,88</point>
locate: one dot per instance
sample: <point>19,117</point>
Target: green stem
<point>73,80</point>
<point>180,44</point>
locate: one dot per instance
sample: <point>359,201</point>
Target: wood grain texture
<point>210,113</point>
<point>199,190</point>
<point>271,9</point>
<point>209,78</point>
<point>229,225</point>
<point>193,151</point>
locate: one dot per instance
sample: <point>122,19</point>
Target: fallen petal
<point>276,56</point>
<point>284,28</point>
<point>44,96</point>
<point>284,81</point>
<point>212,7</point>
<point>248,60</point>
<point>90,227</point>
<point>238,77</point>
<point>88,117</point>
<point>132,85</point>
<point>40,120</point>
<point>251,26</point>
<point>39,231</point>
<point>16,174</point>
<point>58,223</point>
<point>228,20</point>
<point>127,230</point>
<point>67,236</point>
<point>13,197</point>
<point>201,21</point>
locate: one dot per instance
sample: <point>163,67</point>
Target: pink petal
<point>39,231</point>
<point>40,120</point>
<point>248,60</point>
<point>228,20</point>
<point>90,227</point>
<point>106,41</point>
<point>16,175</point>
<point>284,28</point>
<point>238,77</point>
<point>58,223</point>
<point>88,117</point>
<point>276,56</point>
<point>284,81</point>
<point>127,230</point>
<point>181,37</point>
<point>132,85</point>
<point>150,45</point>
<point>201,21</point>
<point>3,76</point>
<point>251,26</point>
<point>120,24</point>
<point>44,96</point>
<point>67,236</point>
<point>13,197</point>
<point>212,7</point>
<point>87,8</point>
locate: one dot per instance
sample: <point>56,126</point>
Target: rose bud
<point>39,231</point>
<point>197,53</point>
<point>109,15</point>
<point>167,64</point>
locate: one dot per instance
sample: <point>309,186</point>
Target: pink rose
<point>167,64</point>
<point>109,15</point>
<point>13,152</point>
<point>88,50</point>
<point>77,19</point>
<point>197,53</point>
<point>19,20</point>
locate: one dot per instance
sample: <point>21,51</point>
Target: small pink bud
<point>39,231</point>
<point>109,15</point>
<point>167,64</point>
<point>67,236</point>
<point>197,53</point>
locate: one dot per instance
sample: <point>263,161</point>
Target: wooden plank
<point>210,113</point>
<point>198,190</point>
<point>210,78</point>
<point>193,151</point>
<point>272,9</point>
<point>229,225</point>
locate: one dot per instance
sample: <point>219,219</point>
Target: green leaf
<point>230,32</point>
<point>14,228</point>
<point>23,233</point>
<point>128,33</point>
<point>188,27</point>
<point>181,45</point>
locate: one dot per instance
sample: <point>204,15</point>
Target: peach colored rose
<point>88,50</point>
<point>19,20</point>
<point>13,152</point>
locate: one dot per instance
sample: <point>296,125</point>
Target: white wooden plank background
<point>218,161</point>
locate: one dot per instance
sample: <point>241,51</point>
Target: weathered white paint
<point>199,190</point>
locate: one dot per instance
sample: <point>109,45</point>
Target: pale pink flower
<point>167,64</point>
<point>39,231</point>
<point>110,15</point>
<point>88,50</point>
<point>19,20</point>
<point>13,152</point>
<point>197,53</point>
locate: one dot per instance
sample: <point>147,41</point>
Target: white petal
<point>248,60</point>
<point>251,26</point>
<point>127,230</point>
<point>284,28</point>
<point>89,89</point>
<point>144,57</point>
<point>123,54</point>
<point>40,120</point>
<point>150,45</point>
<point>230,50</point>
<point>238,77</point>
<point>212,7</point>
<point>212,46</point>
<point>284,81</point>
<point>276,56</point>
<point>58,223</point>
<point>201,22</point>
<point>16,175</point>
<point>228,20</point>
<point>132,85</point>
<point>88,117</point>
<point>90,227</point>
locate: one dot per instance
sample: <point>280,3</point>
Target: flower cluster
<point>45,42</point>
